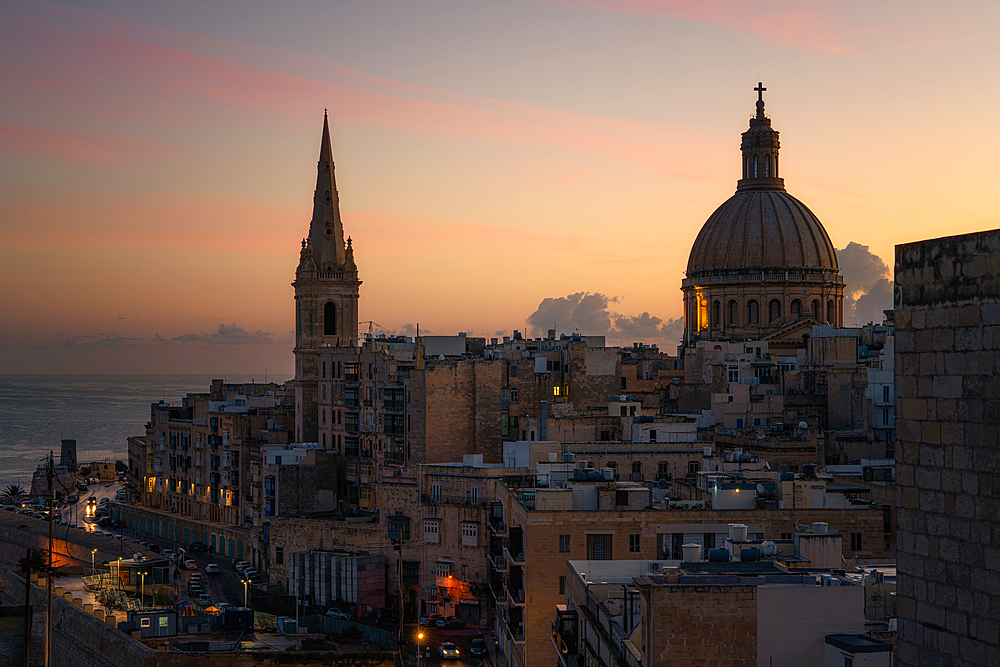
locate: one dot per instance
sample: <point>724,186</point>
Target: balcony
<point>497,587</point>
<point>497,525</point>
<point>514,544</point>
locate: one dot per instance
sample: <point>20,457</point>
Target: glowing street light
<point>93,565</point>
<point>246,592</point>
<point>420,636</point>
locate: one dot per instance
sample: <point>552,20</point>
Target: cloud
<point>798,24</point>
<point>867,290</point>
<point>589,314</point>
<point>228,334</point>
<point>117,341</point>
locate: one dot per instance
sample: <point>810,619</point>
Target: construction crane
<point>371,328</point>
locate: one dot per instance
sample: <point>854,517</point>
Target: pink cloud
<point>138,74</point>
<point>799,24</point>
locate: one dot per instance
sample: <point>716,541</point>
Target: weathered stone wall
<point>947,314</point>
<point>702,625</point>
<point>463,409</point>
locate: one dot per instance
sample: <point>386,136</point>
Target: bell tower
<point>326,292</point>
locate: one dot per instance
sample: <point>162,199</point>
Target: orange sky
<point>158,159</point>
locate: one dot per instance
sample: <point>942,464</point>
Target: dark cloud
<point>590,314</point>
<point>117,341</point>
<point>867,290</point>
<point>228,334</point>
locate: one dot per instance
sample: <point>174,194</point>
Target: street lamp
<point>142,590</point>
<point>420,636</point>
<point>246,592</point>
<point>93,566</point>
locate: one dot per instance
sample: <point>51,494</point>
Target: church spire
<point>326,231</point>
<point>760,151</point>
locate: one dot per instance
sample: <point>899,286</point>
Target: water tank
<point>718,556</point>
<point>738,532</point>
<point>553,457</point>
<point>820,528</point>
<point>768,548</point>
<point>750,555</point>
<point>691,552</point>
<point>569,457</point>
<point>608,474</point>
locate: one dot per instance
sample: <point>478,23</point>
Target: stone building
<point>534,531</point>
<point>947,317</point>
<point>763,260</point>
<point>326,292</point>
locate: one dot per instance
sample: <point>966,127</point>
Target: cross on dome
<point>760,98</point>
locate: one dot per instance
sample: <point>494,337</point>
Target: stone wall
<point>70,546</point>
<point>702,625</point>
<point>947,315</point>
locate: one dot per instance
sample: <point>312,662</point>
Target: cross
<point>760,91</point>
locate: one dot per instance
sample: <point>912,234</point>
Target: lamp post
<point>420,636</point>
<point>93,565</point>
<point>142,589</point>
<point>246,592</point>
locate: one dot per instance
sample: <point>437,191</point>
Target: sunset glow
<point>158,159</point>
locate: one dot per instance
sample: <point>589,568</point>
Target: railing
<point>515,552</point>
<point>497,526</point>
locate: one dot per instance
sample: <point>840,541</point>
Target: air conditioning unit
<point>654,567</point>
<point>700,505</point>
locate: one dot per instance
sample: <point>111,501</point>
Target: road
<point>433,637</point>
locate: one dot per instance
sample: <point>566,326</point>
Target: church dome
<point>762,228</point>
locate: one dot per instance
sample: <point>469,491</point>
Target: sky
<point>501,164</point>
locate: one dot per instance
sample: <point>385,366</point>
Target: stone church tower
<point>326,292</point>
<point>763,260</point>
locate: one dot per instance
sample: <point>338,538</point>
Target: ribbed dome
<point>757,229</point>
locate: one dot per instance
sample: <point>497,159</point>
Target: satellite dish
<point>768,548</point>
<point>760,488</point>
<point>803,425</point>
<point>662,483</point>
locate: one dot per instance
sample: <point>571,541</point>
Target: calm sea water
<point>98,411</point>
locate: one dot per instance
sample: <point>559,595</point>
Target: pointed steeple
<point>760,152</point>
<point>326,231</point>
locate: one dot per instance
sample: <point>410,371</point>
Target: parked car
<point>478,647</point>
<point>339,614</point>
<point>205,599</point>
<point>212,568</point>
<point>249,573</point>
<point>450,622</point>
<point>190,565</point>
<point>72,498</point>
<point>449,650</point>
<point>430,619</point>
<point>198,548</point>
<point>240,565</point>
<point>386,616</point>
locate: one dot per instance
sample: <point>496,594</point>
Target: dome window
<point>831,312</point>
<point>774,310</point>
<point>716,314</point>
<point>755,166</point>
<point>767,166</point>
<point>734,313</point>
<point>815,309</point>
<point>753,312</point>
<point>796,308</point>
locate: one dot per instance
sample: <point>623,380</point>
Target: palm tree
<point>13,492</point>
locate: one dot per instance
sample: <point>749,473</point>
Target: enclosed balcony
<point>515,544</point>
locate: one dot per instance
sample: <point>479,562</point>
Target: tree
<point>13,492</point>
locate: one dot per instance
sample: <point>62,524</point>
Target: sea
<point>98,411</point>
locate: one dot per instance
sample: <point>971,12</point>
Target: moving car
<point>339,614</point>
<point>478,647</point>
<point>449,650</point>
<point>211,568</point>
<point>190,565</point>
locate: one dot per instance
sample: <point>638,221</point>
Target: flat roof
<point>858,643</point>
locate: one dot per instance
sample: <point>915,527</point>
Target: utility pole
<point>48,579</point>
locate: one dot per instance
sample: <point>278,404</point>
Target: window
<point>564,544</point>
<point>652,435</point>
<point>621,498</point>
<point>399,528</point>
<point>773,310</point>
<point>885,393</point>
<point>435,493</point>
<point>734,313</point>
<point>474,495</point>
<point>633,543</point>
<point>755,166</point>
<point>279,554</point>
<point>729,398</point>
<point>786,536</point>
<point>855,541</point>
<point>562,585</point>
<point>753,312</point>
<point>767,166</point>
<point>734,374</point>
<point>636,467</point>
<point>432,531</point>
<point>329,319</point>
<point>796,308</point>
<point>663,469</point>
<point>513,371</point>
<point>831,312</point>
<point>716,314</point>
<point>513,395</point>
<point>599,547</point>
<point>470,535</point>
<point>465,573</point>
<point>441,569</point>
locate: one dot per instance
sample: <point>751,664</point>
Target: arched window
<point>734,313</point>
<point>753,312</point>
<point>831,312</point>
<point>773,310</point>
<point>716,314</point>
<point>329,319</point>
<point>796,308</point>
<point>755,166</point>
<point>767,166</point>
<point>815,309</point>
